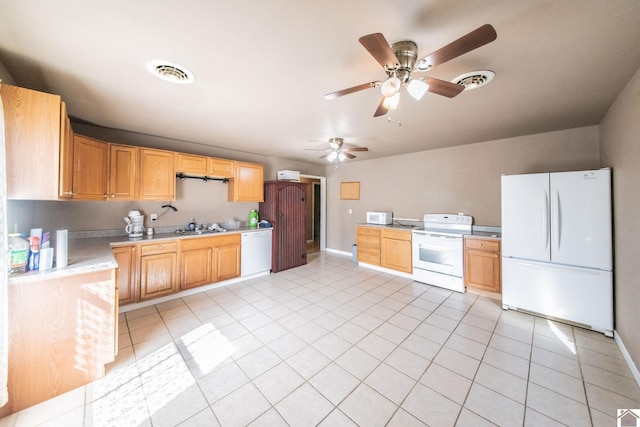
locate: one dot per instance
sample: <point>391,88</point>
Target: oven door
<point>438,253</point>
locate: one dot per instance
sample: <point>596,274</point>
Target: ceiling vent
<point>170,72</point>
<point>474,79</point>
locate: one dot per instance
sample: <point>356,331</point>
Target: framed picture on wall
<point>350,190</point>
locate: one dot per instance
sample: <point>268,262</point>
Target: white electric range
<point>438,256</point>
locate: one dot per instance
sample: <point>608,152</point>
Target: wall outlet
<point>154,217</point>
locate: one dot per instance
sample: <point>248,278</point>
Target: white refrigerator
<point>557,257</point>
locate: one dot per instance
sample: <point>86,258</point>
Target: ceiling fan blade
<point>323,156</point>
<point>473,40</point>
<point>351,156</point>
<point>382,109</point>
<point>357,149</point>
<point>334,95</point>
<point>379,48</point>
<point>443,87</point>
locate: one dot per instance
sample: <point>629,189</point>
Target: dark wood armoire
<point>285,207</point>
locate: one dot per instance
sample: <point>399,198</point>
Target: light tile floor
<point>334,344</point>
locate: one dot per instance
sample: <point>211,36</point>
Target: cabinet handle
<point>479,244</point>
<point>113,196</point>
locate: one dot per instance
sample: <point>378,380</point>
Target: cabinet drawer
<point>396,234</point>
<point>369,231</point>
<point>158,248</point>
<point>230,239</point>
<point>368,240</point>
<point>482,244</point>
<point>196,243</point>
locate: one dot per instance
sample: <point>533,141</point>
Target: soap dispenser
<point>253,219</point>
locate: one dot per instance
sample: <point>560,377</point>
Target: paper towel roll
<point>62,247</point>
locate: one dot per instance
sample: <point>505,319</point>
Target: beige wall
<point>460,179</point>
<point>620,149</point>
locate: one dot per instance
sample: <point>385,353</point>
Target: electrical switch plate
<point>350,211</point>
<point>154,217</point>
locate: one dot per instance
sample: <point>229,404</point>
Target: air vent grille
<point>170,72</point>
<point>474,79</point>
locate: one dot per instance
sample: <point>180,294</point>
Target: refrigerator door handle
<point>545,220</point>
<point>558,222</point>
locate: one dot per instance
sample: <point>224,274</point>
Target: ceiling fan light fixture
<point>391,102</point>
<point>390,87</point>
<point>417,88</point>
<point>342,157</point>
<point>332,156</point>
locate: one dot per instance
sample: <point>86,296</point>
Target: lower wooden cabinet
<point>384,247</point>
<point>368,244</point>
<point>62,333</point>
<point>158,269</point>
<point>126,273</point>
<point>205,260</point>
<point>482,264</point>
<point>395,250</point>
<point>227,257</point>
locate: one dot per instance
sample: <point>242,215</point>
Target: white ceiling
<point>262,68</point>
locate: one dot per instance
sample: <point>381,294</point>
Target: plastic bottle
<point>192,224</point>
<point>34,254</point>
<point>253,219</point>
<point>18,254</point>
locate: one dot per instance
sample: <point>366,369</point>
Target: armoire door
<point>290,232</point>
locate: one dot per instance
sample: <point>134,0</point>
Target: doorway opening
<point>316,213</point>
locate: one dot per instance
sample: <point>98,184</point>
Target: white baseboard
<point>338,252</point>
<point>627,357</point>
<point>142,304</point>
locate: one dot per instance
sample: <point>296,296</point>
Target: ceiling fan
<point>399,60</point>
<point>337,150</point>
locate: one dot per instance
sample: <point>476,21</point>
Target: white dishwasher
<point>255,252</point>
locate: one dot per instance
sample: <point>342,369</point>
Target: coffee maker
<point>135,224</point>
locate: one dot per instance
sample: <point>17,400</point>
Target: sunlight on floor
<point>563,338</point>
<point>208,347</point>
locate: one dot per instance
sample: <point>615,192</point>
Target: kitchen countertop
<point>94,253</point>
<point>487,232</point>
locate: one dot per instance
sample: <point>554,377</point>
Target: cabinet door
<point>247,184</point>
<point>195,268</point>
<point>220,167</point>
<point>89,168</point>
<point>190,163</point>
<point>126,273</point>
<point>158,275</point>
<point>368,245</point>
<point>396,254</point>
<point>482,270</point>
<point>227,260</point>
<point>65,184</point>
<point>32,138</point>
<point>157,179</point>
<point>122,172</point>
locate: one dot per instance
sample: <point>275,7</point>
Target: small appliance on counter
<point>135,224</point>
<point>381,218</point>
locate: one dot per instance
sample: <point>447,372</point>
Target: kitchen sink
<point>198,232</point>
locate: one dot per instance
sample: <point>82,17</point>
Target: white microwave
<point>382,218</point>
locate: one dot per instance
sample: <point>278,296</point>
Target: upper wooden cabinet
<point>190,163</point>
<point>206,166</point>
<point>122,172</point>
<point>222,168</point>
<point>90,159</point>
<point>247,184</point>
<point>157,177</point>
<point>33,134</point>
<point>65,184</point>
